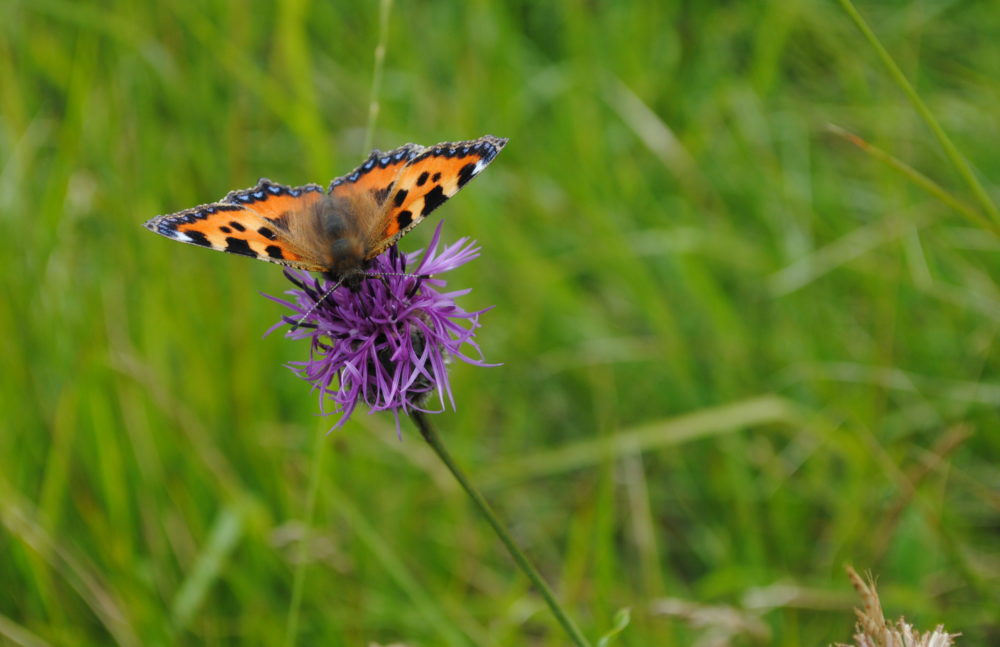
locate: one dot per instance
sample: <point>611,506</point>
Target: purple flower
<point>387,344</point>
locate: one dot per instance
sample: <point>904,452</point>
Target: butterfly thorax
<point>337,233</point>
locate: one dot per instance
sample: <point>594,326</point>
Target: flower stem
<point>430,435</point>
<point>299,578</point>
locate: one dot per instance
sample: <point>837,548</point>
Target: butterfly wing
<point>253,222</point>
<point>425,181</point>
<point>376,176</point>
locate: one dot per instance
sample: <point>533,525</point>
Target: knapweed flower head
<point>388,343</point>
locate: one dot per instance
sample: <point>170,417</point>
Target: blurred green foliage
<point>737,351</point>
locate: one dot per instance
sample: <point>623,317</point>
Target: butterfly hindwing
<point>431,176</point>
<point>252,222</point>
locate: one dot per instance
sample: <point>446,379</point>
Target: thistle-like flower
<point>388,343</point>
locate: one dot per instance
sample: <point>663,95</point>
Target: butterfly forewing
<point>252,222</point>
<point>431,177</point>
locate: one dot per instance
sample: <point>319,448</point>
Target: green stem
<point>298,582</point>
<point>384,7</point>
<point>956,158</point>
<point>427,431</point>
<point>917,178</point>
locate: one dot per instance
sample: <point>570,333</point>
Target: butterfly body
<point>334,232</point>
<point>337,231</point>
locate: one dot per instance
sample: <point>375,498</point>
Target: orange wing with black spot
<point>253,222</point>
<point>425,181</point>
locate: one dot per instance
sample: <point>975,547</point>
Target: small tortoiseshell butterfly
<point>339,230</point>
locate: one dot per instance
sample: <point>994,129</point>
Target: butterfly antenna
<point>315,305</point>
<point>379,275</point>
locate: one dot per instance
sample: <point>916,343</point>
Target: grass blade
<point>225,535</point>
<point>713,421</point>
<point>918,178</point>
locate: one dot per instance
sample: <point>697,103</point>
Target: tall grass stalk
<point>918,178</point>
<point>384,8</point>
<point>954,156</point>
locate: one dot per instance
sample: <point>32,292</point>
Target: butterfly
<point>340,230</point>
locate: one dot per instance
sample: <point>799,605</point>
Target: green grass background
<point>737,351</point>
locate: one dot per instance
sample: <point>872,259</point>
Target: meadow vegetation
<point>738,351</point>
